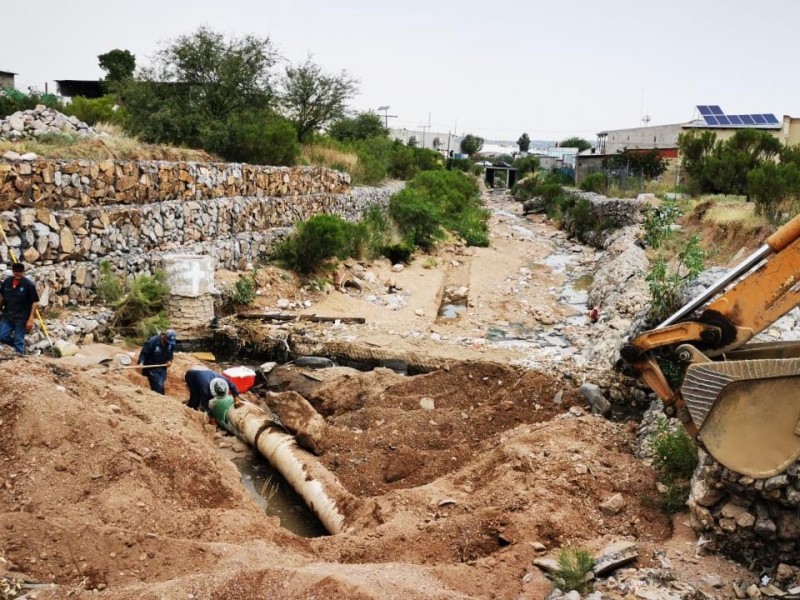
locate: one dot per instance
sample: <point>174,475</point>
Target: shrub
<point>665,284</point>
<point>596,182</point>
<point>255,137</point>
<point>95,110</point>
<point>315,241</point>
<point>574,569</point>
<point>139,312</point>
<point>109,284</point>
<point>459,164</point>
<point>398,253</point>
<point>417,217</point>
<point>526,165</point>
<point>658,222</point>
<point>675,453</point>
<point>12,100</point>
<point>244,292</point>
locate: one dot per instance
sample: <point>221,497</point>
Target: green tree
<point>575,142</point>
<point>650,164</point>
<point>770,184</point>
<point>524,142</point>
<point>196,82</point>
<point>471,144</point>
<point>255,137</point>
<point>313,99</point>
<point>119,65</point>
<point>361,127</point>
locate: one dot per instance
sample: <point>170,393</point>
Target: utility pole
<point>425,128</point>
<point>386,115</point>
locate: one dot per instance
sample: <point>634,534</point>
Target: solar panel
<point>704,110</point>
<point>760,120</point>
<point>747,119</point>
<point>770,118</point>
<point>735,119</point>
<point>710,120</point>
<point>723,120</point>
<point>716,110</point>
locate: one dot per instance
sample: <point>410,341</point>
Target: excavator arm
<point>740,400</point>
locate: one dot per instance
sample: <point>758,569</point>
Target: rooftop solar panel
<point>759,119</point>
<point>723,120</point>
<point>716,110</point>
<point>704,110</point>
<point>747,119</point>
<point>735,119</point>
<point>710,120</point>
<point>770,118</point>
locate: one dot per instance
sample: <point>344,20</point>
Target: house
<point>7,79</point>
<point>88,88</point>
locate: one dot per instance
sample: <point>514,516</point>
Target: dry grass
<point>732,209</point>
<point>116,145</point>
<point>324,156</point>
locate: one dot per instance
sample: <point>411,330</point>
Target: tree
<point>412,142</point>
<point>524,142</point>
<point>313,99</point>
<point>119,65</point>
<point>575,142</point>
<point>361,127</point>
<point>196,83</point>
<point>649,164</point>
<point>471,144</point>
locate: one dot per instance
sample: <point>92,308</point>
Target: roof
<point>701,124</point>
<point>8,73</point>
<point>88,88</point>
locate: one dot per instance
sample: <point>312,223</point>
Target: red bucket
<point>242,377</point>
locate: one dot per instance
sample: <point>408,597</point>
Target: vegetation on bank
<point>432,204</point>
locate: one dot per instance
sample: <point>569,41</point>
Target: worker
<point>158,351</point>
<point>205,385</point>
<point>18,299</point>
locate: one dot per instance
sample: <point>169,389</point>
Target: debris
<point>595,398</point>
<point>614,556</point>
<point>427,404</point>
<point>613,505</point>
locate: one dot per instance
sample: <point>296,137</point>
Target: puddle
<point>514,331</point>
<point>451,311</point>
<point>558,262</point>
<point>276,497</point>
<point>583,283</point>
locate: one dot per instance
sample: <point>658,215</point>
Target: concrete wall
<point>657,136</point>
<point>6,80</point>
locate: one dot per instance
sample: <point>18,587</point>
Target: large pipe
<point>319,488</point>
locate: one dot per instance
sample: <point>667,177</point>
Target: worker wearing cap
<point>158,351</point>
<point>205,385</point>
<point>18,299</point>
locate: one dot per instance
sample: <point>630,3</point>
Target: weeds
<point>665,283</point>
<point>658,223</point>
<point>139,313</point>
<point>574,570</point>
<point>674,459</point>
<point>316,241</point>
<point>109,285</point>
<point>244,292</point>
<point>430,263</point>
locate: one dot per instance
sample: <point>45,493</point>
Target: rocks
<point>595,398</point>
<point>41,120</point>
<point>613,505</point>
<point>427,404</point>
<point>614,556</point>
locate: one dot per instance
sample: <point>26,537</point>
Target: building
<point>664,138</point>
<point>7,79</point>
<point>433,140</point>
<point>88,88</point>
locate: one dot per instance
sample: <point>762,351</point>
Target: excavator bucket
<point>748,412</point>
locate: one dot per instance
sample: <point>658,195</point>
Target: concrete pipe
<point>319,488</point>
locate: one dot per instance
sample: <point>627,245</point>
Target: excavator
<point>739,399</point>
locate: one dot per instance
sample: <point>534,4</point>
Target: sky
<point>495,69</point>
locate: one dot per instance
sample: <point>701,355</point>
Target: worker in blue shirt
<point>158,351</point>
<point>18,300</point>
<point>204,385</point>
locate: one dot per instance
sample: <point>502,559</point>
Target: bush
<point>526,165</point>
<point>12,100</point>
<point>459,164</point>
<point>255,137</point>
<point>675,453</point>
<point>665,284</point>
<point>596,182</point>
<point>398,253</point>
<point>417,217</point>
<point>244,292</point>
<point>95,110</point>
<point>315,241</point>
<point>139,312</point>
<point>574,569</point>
<point>109,284</point>
<point>658,223</point>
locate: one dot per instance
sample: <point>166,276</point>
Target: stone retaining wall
<point>608,214</point>
<point>61,184</point>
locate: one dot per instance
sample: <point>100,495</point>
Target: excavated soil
<point>464,475</point>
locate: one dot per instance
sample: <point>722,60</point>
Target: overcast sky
<point>550,68</point>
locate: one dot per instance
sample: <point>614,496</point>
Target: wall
<point>657,136</point>
<point>73,184</point>
<point>6,80</point>
<point>65,241</point>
